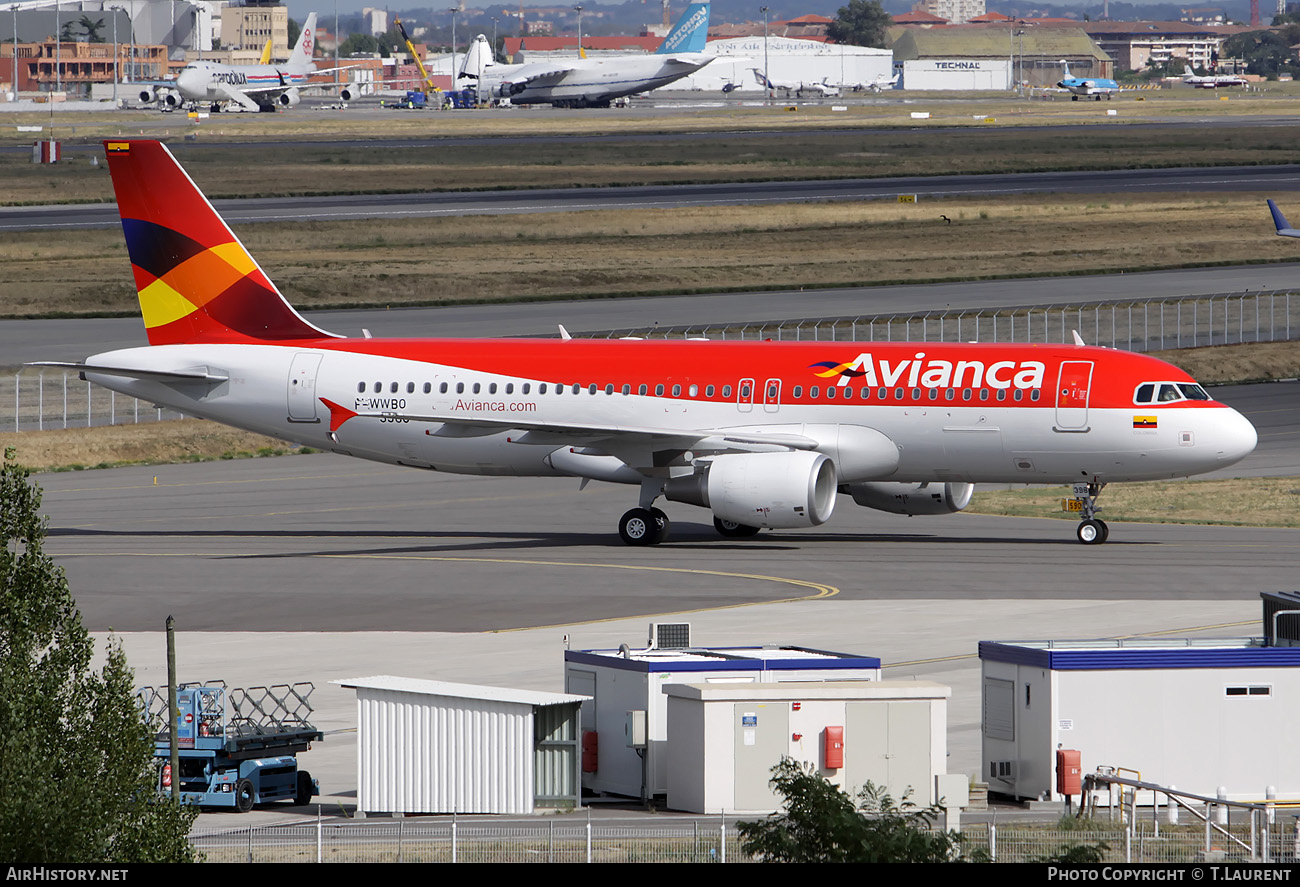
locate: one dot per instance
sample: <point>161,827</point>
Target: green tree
<point>77,775</point>
<point>92,27</point>
<point>822,823</point>
<point>861,23</point>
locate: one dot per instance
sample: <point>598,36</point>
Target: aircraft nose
<point>189,81</point>
<point>1234,437</point>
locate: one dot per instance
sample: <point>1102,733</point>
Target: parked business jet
<point>1086,86</point>
<point>592,82</point>
<point>798,87</point>
<point>1211,81</point>
<point>880,84</point>
<point>763,434</point>
<point>247,87</point>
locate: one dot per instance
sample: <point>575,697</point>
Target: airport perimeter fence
<point>38,398</point>
<point>701,840</point>
<point>1144,325</point>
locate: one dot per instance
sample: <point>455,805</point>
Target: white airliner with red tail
<point>763,434</point>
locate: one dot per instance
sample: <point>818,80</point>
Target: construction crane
<point>433,91</point>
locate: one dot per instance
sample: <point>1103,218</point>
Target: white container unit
<point>723,740</point>
<point>622,681</point>
<point>1193,713</point>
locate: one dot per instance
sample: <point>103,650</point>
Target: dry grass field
<point>186,440</point>
<point>599,254</point>
<point>470,151</point>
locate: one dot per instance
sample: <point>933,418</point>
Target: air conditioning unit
<point>669,636</point>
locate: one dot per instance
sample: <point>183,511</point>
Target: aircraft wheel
<point>1091,532</point>
<point>638,527</point>
<point>1105,530</point>
<point>662,525</point>
<point>733,530</point>
<point>1074,98</point>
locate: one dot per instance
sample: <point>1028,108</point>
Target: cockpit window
<point>1168,392</point>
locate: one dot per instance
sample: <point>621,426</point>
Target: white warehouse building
<point>787,59</point>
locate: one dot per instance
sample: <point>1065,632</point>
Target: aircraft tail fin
<point>690,33</point>
<point>478,58</point>
<point>1187,71</point>
<point>195,280</point>
<point>300,56</point>
<point>1065,67</point>
<point>1280,223</point>
<point>266,51</point>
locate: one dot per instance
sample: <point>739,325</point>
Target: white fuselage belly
<point>597,80</point>
<point>276,390</point>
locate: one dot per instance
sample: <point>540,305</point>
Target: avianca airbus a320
<point>763,434</point>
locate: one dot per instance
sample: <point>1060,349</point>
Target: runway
<point>1261,179</point>
<point>324,543</point>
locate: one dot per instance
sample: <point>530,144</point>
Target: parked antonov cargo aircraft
<point>762,434</point>
<point>247,87</point>
<point>592,82</point>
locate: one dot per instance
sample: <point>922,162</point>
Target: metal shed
<point>437,747</point>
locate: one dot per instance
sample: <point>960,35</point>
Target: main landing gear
<point>1091,530</point>
<point>644,526</point>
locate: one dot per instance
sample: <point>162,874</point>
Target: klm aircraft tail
<point>690,33</point>
<point>305,48</point>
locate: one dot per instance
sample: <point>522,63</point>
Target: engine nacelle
<point>776,490</point>
<point>170,99</point>
<point>912,499</point>
<point>147,97</point>
<point>288,98</point>
<point>350,92</point>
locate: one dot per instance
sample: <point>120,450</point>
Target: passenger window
<point>984,394</point>
<point>726,391</point>
<point>609,388</point>
<point>510,388</point>
<point>1035,394</point>
<point>641,390</point>
<point>866,394</point>
<point>410,387</point>
<point>460,389</point>
<point>627,389</point>
<point>541,389</point>
<point>883,394</point>
<point>527,386</point>
<point>708,392</point>
<point>428,386</point>
<point>477,387</point>
<point>694,391</point>
<point>361,388</point>
<point>1019,395</point>
<point>847,393</point>
<point>965,394</point>
<point>577,388</point>
<point>949,393</point>
<point>744,391</point>
<point>659,391</point>
<point>379,386</point>
<point>1145,393</point>
<point>591,389</point>
<point>1002,394</point>
<point>934,394</point>
<point>898,394</point>
<point>392,389</point>
<point>492,388</point>
<point>830,392</point>
<point>798,391</point>
<point>916,394</point>
<point>814,391</point>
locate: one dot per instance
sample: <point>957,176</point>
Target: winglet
<point>1283,227</point>
<point>338,414</point>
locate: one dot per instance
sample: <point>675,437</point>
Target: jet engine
<point>776,490</point>
<point>911,499</point>
<point>350,92</point>
<point>288,98</point>
<point>505,89</point>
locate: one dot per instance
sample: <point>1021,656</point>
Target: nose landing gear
<point>1091,530</point>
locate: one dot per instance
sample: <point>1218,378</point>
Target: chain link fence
<point>701,840</point>
<point>36,399</point>
<point>1146,325</point>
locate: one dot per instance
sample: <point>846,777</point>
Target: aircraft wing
<point>562,433</point>
<point>240,97</point>
<point>540,75</point>
<point>694,60</point>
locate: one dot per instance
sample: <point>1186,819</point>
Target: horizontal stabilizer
<point>189,375</point>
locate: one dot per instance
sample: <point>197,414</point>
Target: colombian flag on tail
<point>195,280</point>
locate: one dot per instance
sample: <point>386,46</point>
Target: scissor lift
<point>237,747</point>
